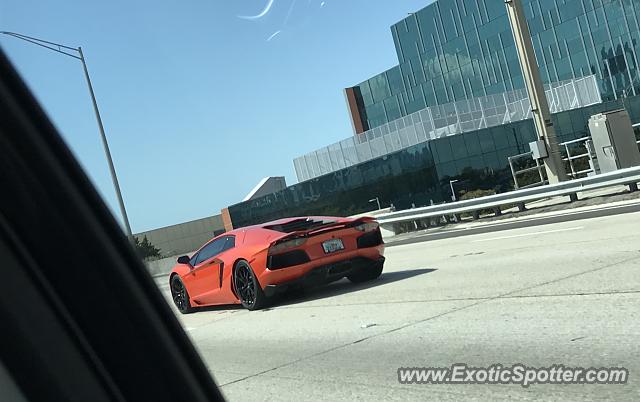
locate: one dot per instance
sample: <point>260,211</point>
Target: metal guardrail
<point>570,158</point>
<point>629,176</point>
<point>636,125</point>
<point>515,173</point>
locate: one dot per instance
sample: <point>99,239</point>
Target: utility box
<point>538,149</point>
<point>614,141</point>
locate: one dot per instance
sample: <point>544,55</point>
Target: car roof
<point>262,226</point>
<point>283,221</point>
<point>295,218</point>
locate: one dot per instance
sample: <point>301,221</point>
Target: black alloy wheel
<point>180,295</point>
<point>247,287</point>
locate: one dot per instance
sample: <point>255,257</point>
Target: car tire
<point>247,287</point>
<point>180,295</point>
<point>366,274</point>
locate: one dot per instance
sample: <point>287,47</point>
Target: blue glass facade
<point>421,173</point>
<point>458,49</point>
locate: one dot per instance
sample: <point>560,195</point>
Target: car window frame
<point>198,260</point>
<point>230,239</point>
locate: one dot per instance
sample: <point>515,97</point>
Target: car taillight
<point>282,246</point>
<point>367,226</point>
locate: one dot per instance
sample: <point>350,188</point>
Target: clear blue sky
<point>198,103</point>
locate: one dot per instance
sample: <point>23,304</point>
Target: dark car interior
<point>81,317</point>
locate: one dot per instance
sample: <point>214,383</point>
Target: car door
<point>204,275</point>
<point>223,262</point>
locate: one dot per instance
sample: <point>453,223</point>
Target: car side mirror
<point>184,259</point>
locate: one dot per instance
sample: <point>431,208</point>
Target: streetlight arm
<point>56,47</point>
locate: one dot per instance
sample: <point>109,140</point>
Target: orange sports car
<point>248,265</point>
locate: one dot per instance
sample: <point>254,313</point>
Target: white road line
<point>529,234</point>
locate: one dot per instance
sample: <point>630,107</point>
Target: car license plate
<point>333,245</point>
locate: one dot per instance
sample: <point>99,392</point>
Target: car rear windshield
<point>298,225</point>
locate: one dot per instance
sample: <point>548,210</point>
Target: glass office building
<point>455,50</point>
<point>460,49</point>
<point>420,174</point>
<point>439,121</point>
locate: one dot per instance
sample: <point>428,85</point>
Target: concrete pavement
<point>562,293</point>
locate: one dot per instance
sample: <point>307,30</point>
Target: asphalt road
<point>563,293</point>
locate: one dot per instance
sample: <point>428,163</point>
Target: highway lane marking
<point>529,234</point>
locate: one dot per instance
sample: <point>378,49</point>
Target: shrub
<point>145,249</point>
<point>476,194</point>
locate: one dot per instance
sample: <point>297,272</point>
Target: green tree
<point>145,249</point>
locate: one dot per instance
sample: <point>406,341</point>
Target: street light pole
<point>56,47</point>
<point>453,193</point>
<point>539,105</point>
<point>376,200</point>
<point>107,152</point>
